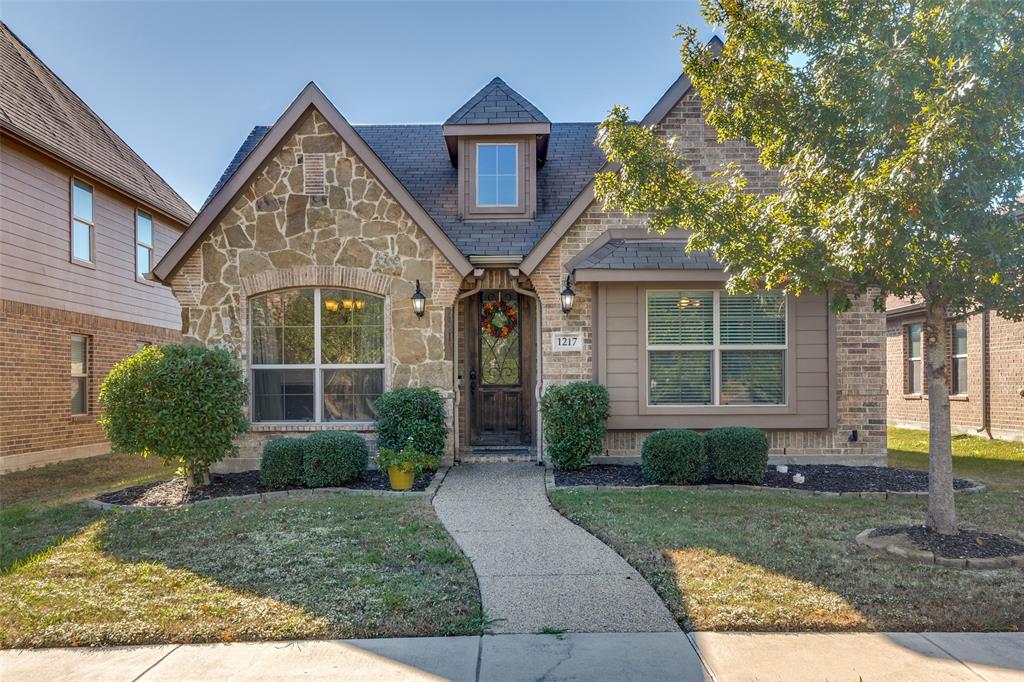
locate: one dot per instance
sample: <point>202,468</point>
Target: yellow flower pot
<point>401,477</point>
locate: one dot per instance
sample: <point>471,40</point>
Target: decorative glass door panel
<point>497,370</point>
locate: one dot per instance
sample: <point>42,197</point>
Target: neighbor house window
<point>143,244</point>
<point>914,359</point>
<point>81,222</point>
<point>79,374</point>
<point>317,355</point>
<point>497,183</point>
<point>958,347</point>
<point>713,348</point>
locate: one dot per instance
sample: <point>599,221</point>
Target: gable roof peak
<point>496,103</point>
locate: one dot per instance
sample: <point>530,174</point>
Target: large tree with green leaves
<point>897,130</point>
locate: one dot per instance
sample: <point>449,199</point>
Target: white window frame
<point>477,178</point>
<point>716,347</point>
<point>149,247</point>
<point>954,356</point>
<point>911,359</point>
<point>317,366</point>
<point>91,262</point>
<point>84,375</point>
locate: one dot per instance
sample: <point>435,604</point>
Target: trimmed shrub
<point>416,413</point>
<point>180,403</point>
<point>674,457</point>
<point>737,454</point>
<point>574,423</point>
<point>281,465</point>
<point>333,458</point>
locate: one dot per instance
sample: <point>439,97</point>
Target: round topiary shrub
<point>574,423</point>
<point>737,454</point>
<point>674,457</point>
<point>180,403</point>
<point>333,458</point>
<point>281,465</point>
<point>416,413</point>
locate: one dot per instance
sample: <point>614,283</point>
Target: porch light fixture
<point>419,301</point>
<point>568,295</point>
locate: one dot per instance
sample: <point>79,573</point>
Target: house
<point>985,372</point>
<point>82,220</point>
<point>321,239</point>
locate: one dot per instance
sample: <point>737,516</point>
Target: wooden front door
<point>500,368</point>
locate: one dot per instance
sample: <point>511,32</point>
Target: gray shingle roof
<point>648,254</point>
<point>496,102</point>
<point>417,155</point>
<point>35,104</point>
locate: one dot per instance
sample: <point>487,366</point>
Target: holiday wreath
<point>498,319</point>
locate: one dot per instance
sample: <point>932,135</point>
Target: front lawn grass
<point>317,567</point>
<point>731,560</point>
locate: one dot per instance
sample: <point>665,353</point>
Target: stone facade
<point>350,233</point>
<point>996,368</point>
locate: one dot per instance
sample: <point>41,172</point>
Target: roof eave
<point>311,97</point>
<point>650,275</point>
<point>91,173</point>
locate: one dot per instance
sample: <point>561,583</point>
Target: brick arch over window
<point>317,276</point>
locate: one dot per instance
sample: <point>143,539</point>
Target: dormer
<point>497,140</point>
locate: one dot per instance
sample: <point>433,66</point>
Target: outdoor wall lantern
<point>419,301</point>
<point>568,295</point>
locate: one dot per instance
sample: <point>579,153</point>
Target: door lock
<point>472,381</point>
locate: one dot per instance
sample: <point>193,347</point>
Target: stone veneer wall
<point>353,235</point>
<point>860,333</point>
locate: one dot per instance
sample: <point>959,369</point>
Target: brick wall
<point>1004,372</point>
<point>859,334</point>
<point>36,425</point>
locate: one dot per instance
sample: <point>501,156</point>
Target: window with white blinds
<point>715,348</point>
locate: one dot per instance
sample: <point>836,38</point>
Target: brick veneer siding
<point>1004,373</point>
<point>36,424</point>
<point>859,334</point>
<point>354,235</point>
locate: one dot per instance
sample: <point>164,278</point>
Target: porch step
<point>497,454</point>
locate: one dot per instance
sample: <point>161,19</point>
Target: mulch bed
<point>966,544</point>
<point>172,492</point>
<point>823,477</point>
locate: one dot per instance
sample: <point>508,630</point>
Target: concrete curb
<point>884,545</point>
<point>549,481</point>
<point>427,492</point>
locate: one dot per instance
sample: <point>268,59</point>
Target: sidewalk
<point>537,570</point>
<point>727,657</point>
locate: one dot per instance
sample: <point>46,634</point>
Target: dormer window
<point>497,179</point>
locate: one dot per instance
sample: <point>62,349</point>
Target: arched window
<point>317,355</point>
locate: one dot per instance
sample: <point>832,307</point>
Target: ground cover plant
<point>732,560</point>
<point>332,566</point>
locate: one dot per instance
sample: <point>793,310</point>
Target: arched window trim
<point>317,367</point>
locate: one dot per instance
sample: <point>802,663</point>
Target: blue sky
<point>183,83</point>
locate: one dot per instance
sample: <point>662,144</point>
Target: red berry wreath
<point>498,319</point>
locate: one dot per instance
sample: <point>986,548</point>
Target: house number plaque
<point>566,343</point>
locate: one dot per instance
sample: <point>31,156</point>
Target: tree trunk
<point>941,505</point>
<point>196,477</point>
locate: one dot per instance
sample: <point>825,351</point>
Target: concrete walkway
<point>723,657</point>
<point>539,572</point>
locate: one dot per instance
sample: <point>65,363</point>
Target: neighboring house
<point>986,372</point>
<point>307,255</point>
<point>82,219</point>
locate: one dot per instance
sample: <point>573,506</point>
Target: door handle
<point>472,381</point>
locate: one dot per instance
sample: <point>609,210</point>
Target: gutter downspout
<point>456,418</point>
<point>537,380</point>
<point>986,425</point>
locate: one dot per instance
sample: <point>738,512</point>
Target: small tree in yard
<point>897,131</point>
<point>180,403</point>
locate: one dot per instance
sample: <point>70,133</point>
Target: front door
<point>500,365</point>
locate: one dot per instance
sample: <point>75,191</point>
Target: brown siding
<point>622,359</point>
<point>36,425</point>
<point>35,265</point>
